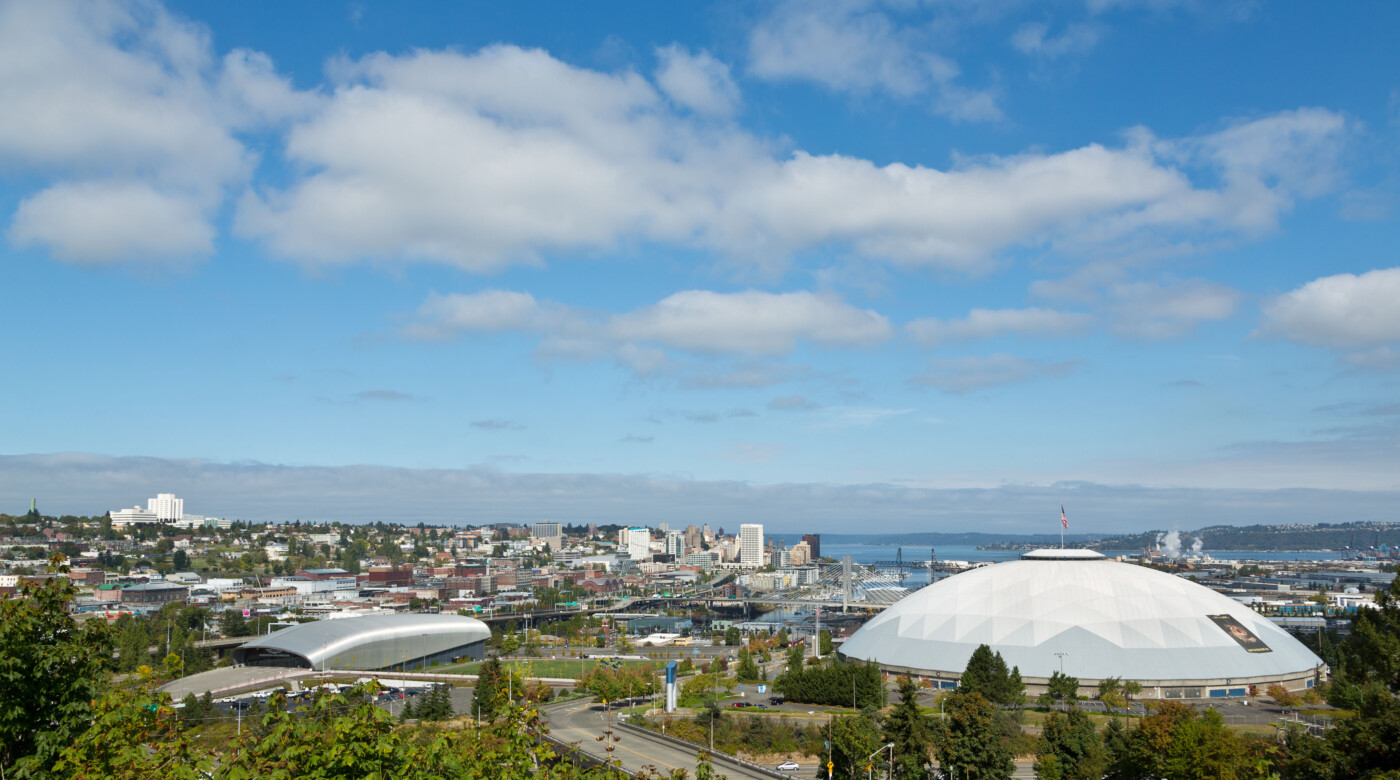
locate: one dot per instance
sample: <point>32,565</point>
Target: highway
<point>581,723</point>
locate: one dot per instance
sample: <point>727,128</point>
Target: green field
<point>538,667</point>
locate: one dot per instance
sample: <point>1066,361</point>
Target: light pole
<point>1061,655</point>
<point>870,764</point>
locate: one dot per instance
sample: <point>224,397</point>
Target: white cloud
<point>111,221</point>
<point>1034,39</point>
<point>1168,310</point>
<point>966,374</point>
<point>990,323</point>
<point>443,316</point>
<point>1345,310</point>
<point>509,155</point>
<point>748,325</point>
<point>695,321</point>
<point>751,323</point>
<point>123,100</point>
<point>698,82</point>
<point>850,47</point>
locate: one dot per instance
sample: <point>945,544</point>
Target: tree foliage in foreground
<point>50,672</point>
<point>970,742</point>
<point>136,734</point>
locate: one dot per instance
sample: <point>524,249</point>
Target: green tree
<point>971,743</point>
<point>490,691</point>
<point>1070,748</point>
<point>232,624</point>
<point>1366,747</point>
<point>747,669</point>
<point>909,731</point>
<point>1063,688</point>
<point>50,673</point>
<point>133,735</point>
<point>731,636</point>
<point>853,739</point>
<point>986,673</point>
<point>824,646</point>
<point>794,657</point>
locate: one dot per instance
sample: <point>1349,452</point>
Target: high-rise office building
<point>549,533</point>
<point>639,543</point>
<point>675,544</point>
<point>814,541</point>
<point>751,544</point>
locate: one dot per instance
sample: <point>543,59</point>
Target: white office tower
<point>167,507</point>
<point>639,544</point>
<point>751,544</point>
<point>675,544</point>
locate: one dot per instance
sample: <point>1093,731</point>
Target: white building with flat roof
<point>751,544</point>
<point>134,516</point>
<point>167,507</point>
<point>639,543</point>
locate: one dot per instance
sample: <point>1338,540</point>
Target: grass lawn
<point>542,667</point>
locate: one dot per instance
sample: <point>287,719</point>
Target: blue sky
<point>833,266</point>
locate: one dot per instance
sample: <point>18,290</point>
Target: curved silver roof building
<point>1098,617</point>
<point>370,642</point>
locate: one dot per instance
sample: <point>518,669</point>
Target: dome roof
<point>1109,619</point>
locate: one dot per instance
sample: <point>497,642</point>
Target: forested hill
<point>1323,536</point>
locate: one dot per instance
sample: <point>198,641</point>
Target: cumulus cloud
<point>127,108</point>
<point>698,82</point>
<point>1034,39</point>
<point>750,323</point>
<point>851,47</point>
<point>95,222</point>
<point>990,323</point>
<point>961,375</point>
<point>509,155</point>
<point>1346,311</point>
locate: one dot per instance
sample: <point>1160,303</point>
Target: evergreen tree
<point>986,674</point>
<point>490,692</point>
<point>747,669</point>
<point>794,657</point>
<point>909,732</point>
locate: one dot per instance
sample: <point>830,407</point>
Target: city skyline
<point>807,264</point>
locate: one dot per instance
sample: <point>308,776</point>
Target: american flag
<point>1064,521</point>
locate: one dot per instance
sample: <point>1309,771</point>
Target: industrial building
<point>1078,613</point>
<point>370,643</point>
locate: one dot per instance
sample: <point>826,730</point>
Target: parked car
<point>776,700</point>
<point>788,766</point>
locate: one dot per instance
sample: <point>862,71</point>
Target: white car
<point>788,766</point>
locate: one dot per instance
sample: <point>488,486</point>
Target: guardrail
<point>715,754</point>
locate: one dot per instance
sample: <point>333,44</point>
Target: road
<point>581,723</point>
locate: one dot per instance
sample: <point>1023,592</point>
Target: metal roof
<point>373,641</point>
<point>1098,617</point>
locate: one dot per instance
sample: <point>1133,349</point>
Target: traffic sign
<point>830,767</point>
